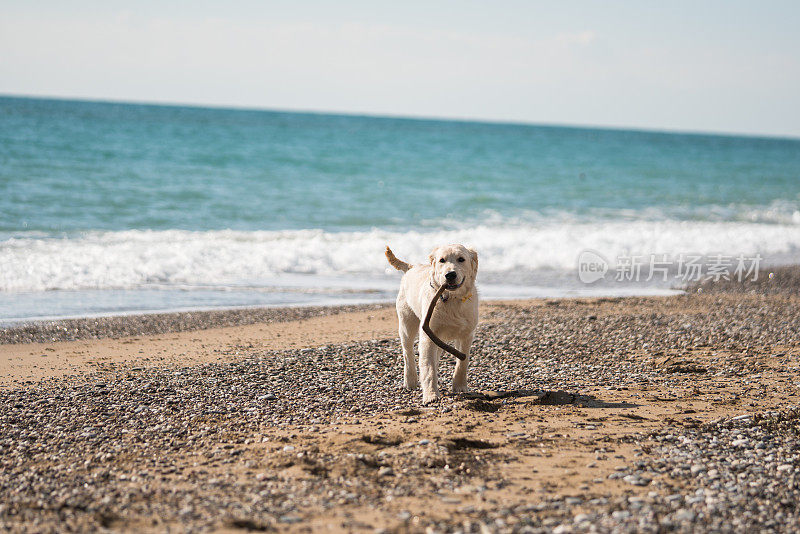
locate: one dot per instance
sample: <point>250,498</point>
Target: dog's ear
<point>474,255</point>
<point>432,256</point>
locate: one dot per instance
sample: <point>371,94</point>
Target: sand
<point>588,413</point>
<point>25,362</point>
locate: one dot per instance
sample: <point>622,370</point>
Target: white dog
<point>454,318</point>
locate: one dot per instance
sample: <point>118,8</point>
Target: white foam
<point>175,258</point>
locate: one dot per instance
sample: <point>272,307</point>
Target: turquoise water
<point>122,199</point>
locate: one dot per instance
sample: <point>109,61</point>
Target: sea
<point>117,208</point>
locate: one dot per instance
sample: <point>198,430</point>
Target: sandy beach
<point>208,212</point>
<point>627,414</point>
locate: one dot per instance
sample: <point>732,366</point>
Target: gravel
<point>161,323</point>
<point>169,447</point>
<point>736,489</point>
<point>771,280</point>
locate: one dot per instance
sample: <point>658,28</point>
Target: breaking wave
<point>237,259</point>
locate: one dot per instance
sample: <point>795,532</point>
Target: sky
<point>712,66</point>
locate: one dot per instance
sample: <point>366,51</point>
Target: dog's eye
<point>441,260</point>
<point>460,260</point>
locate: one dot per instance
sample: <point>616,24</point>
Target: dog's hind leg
<point>409,325</point>
<point>460,373</point>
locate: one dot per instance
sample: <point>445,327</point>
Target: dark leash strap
<point>426,327</point>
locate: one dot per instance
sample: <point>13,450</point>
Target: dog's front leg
<point>429,369</point>
<point>409,324</point>
<point>460,373</point>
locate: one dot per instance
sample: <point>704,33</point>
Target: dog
<point>455,316</point>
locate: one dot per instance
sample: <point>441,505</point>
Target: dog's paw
<point>430,398</point>
<point>410,385</point>
<point>460,388</point>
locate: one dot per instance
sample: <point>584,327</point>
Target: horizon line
<point>379,115</point>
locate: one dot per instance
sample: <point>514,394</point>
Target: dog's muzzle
<point>452,287</point>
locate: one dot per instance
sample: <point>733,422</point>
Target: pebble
<point>743,465</point>
<point>580,518</point>
<point>684,515</point>
<point>162,323</point>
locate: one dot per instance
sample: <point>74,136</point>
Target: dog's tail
<point>400,265</point>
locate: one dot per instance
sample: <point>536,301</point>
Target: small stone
<point>697,469</point>
<point>684,515</point>
<point>636,480</point>
<point>385,472</point>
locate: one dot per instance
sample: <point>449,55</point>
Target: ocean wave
<point>177,258</point>
<point>779,211</point>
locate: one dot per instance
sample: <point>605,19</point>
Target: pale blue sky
<point>720,66</point>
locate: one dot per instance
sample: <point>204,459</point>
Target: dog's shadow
<point>484,400</point>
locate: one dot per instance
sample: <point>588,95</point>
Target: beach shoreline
<point>772,280</point>
<point>617,412</point>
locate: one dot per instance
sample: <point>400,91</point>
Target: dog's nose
<point>450,276</point>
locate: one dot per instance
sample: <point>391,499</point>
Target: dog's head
<point>454,266</point>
